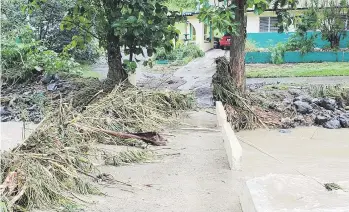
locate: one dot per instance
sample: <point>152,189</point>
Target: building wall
<point>297,57</point>
<point>253,21</point>
<point>182,28</point>
<point>199,33</point>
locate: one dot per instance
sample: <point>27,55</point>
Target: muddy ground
<point>32,100</point>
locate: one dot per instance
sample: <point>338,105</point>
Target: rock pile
<point>327,112</point>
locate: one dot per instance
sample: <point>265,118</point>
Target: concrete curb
<point>246,201</point>
<point>231,143</point>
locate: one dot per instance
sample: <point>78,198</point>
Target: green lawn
<point>297,70</point>
<point>87,71</point>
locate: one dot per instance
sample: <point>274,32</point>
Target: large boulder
<point>321,119</point>
<point>344,120</point>
<point>332,124</point>
<point>328,104</point>
<point>303,98</point>
<point>295,92</point>
<point>316,101</point>
<point>303,107</point>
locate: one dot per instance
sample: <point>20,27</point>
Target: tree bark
<point>116,73</point>
<point>237,47</point>
<point>334,41</point>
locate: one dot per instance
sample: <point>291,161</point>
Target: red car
<point>224,42</point>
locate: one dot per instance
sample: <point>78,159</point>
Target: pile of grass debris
<point>49,168</point>
<point>242,108</point>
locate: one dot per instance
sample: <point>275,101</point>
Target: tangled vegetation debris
<point>281,106</point>
<point>239,106</point>
<point>47,168</point>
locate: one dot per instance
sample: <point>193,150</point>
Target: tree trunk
<point>116,73</point>
<point>334,41</point>
<point>237,47</point>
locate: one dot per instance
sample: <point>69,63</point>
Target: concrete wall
<point>297,57</point>
<point>231,143</point>
<point>200,35</point>
<point>182,28</point>
<point>267,39</point>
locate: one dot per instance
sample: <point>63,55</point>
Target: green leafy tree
<point>145,30</point>
<point>331,18</point>
<point>301,39</point>
<point>44,19</point>
<point>135,24</point>
<point>230,18</point>
<point>185,5</point>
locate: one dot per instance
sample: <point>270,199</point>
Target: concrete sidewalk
<point>193,177</point>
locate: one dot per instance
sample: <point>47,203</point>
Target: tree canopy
<point>132,25</point>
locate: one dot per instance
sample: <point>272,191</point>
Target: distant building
<point>259,28</point>
<point>194,31</point>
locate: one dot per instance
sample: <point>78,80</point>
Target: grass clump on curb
<point>51,166</point>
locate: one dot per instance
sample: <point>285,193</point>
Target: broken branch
<point>152,138</point>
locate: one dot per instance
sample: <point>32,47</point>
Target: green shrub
<point>182,52</point>
<point>50,61</point>
<point>301,42</point>
<point>277,53</point>
<point>21,55</point>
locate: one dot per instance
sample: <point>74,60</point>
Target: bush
<point>277,53</point>
<point>301,43</point>
<point>182,52</point>
<point>45,19</point>
<point>19,57</point>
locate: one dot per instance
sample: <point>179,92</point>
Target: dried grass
<point>338,92</point>
<point>46,169</point>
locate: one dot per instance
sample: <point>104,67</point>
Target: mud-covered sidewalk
<point>192,174</point>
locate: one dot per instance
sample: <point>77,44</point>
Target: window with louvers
<point>272,24</point>
<point>264,24</point>
<point>268,24</point>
